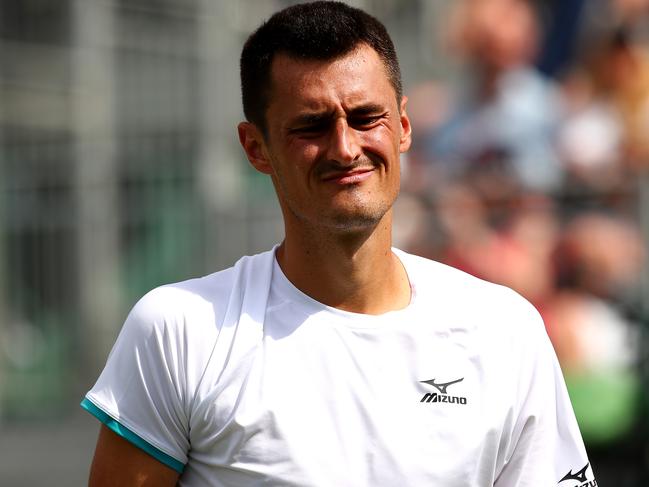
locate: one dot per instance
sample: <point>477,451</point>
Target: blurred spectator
<point>471,243</point>
<point>625,67</point>
<point>517,253</point>
<point>598,263</point>
<point>601,255</point>
<point>590,140</point>
<point>506,116</point>
<point>616,59</point>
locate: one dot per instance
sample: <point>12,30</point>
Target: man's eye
<point>362,122</point>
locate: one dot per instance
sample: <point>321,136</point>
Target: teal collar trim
<point>129,435</point>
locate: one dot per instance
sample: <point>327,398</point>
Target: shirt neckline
<point>286,290</point>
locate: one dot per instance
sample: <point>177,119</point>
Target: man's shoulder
<point>214,286</point>
<point>434,275</point>
<point>207,289</point>
<point>463,294</point>
<point>200,299</point>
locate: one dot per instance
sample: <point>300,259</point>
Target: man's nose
<point>344,145</point>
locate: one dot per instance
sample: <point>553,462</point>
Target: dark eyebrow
<point>307,119</point>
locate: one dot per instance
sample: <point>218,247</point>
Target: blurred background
<point>120,170</point>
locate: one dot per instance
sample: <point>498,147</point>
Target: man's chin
<point>354,221</point>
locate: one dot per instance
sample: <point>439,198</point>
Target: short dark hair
<point>321,30</point>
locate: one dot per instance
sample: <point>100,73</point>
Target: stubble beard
<point>362,216</point>
<point>360,213</point>
<point>358,216</point>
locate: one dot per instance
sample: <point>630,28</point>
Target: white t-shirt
<point>461,388</point>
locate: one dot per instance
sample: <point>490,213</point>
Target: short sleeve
<point>142,392</point>
<point>546,447</point>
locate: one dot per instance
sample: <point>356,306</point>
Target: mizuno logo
<point>442,386</point>
<point>579,476</point>
<point>434,397</point>
<point>443,395</point>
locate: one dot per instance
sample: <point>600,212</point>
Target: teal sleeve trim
<point>129,435</point>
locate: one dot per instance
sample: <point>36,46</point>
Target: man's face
<point>334,135</point>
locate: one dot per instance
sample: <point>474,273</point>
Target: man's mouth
<point>354,176</point>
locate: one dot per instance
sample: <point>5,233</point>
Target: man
<point>332,360</point>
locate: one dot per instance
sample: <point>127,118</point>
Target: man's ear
<point>252,141</point>
<point>406,129</point>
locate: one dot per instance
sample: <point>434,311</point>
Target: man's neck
<point>352,272</point>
